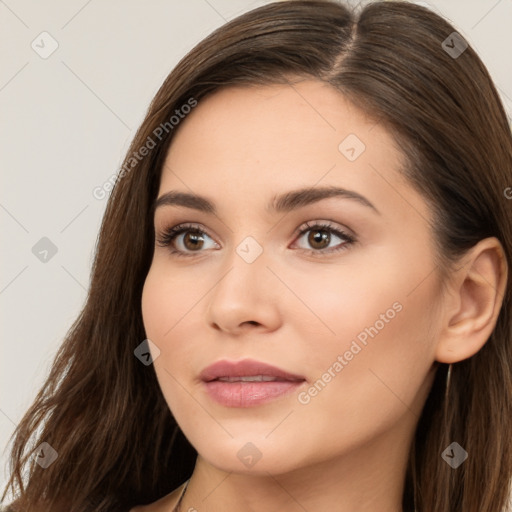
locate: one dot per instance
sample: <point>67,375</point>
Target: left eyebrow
<point>286,202</point>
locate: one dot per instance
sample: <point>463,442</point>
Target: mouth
<point>246,368</point>
<point>247,383</point>
<point>252,378</point>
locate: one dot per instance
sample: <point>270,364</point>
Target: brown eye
<point>193,240</point>
<point>319,238</point>
<point>184,240</point>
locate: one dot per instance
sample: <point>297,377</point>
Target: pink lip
<point>247,394</point>
<point>244,368</point>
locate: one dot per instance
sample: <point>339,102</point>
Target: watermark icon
<point>44,250</point>
<point>249,249</point>
<point>351,147</point>
<point>45,455</point>
<point>454,45</point>
<point>304,397</point>
<point>158,134</point>
<point>508,192</point>
<point>454,455</point>
<point>249,454</point>
<point>44,45</point>
<point>147,352</point>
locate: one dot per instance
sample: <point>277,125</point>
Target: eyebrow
<point>286,202</point>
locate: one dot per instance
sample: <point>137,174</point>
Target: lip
<point>247,394</point>
<point>245,368</point>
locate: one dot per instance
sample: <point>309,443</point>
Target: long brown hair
<point>102,410</point>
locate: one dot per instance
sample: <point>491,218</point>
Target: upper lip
<point>245,368</point>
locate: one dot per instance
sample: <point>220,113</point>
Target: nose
<point>246,295</point>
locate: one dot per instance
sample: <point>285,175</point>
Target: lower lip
<point>249,394</point>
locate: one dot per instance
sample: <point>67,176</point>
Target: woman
<point>366,366</point>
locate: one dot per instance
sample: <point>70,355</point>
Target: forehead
<point>285,120</point>
<point>254,141</point>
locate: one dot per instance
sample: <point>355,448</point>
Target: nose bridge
<point>248,235</point>
<point>247,263</point>
<point>243,294</point>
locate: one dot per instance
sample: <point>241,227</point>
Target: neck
<point>364,479</point>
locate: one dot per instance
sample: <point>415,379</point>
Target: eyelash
<point>169,235</point>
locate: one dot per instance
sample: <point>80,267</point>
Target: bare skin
<point>300,307</point>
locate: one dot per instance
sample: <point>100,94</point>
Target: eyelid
<point>298,231</point>
<point>169,234</point>
<point>179,228</point>
<point>327,223</point>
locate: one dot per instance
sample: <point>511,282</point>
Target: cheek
<point>373,330</point>
<point>166,300</point>
<point>159,313</point>
<point>154,302</point>
<point>372,371</point>
<point>167,304</point>
<point>162,307</point>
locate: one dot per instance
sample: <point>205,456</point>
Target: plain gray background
<point>66,123</point>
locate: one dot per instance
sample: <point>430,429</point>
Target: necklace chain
<point>177,507</point>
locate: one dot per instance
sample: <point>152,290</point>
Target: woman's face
<point>351,309</point>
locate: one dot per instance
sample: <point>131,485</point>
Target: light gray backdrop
<point>75,80</point>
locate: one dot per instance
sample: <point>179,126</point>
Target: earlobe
<point>475,299</point>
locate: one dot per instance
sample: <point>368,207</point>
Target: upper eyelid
<point>182,227</point>
<point>166,238</point>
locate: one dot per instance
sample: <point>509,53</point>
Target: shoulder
<point>164,504</point>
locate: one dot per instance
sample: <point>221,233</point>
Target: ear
<point>472,302</point>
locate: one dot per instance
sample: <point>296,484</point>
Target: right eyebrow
<point>286,202</point>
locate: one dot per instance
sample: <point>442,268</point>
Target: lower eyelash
<point>349,240</point>
<point>168,236</point>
